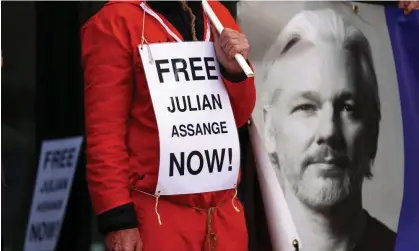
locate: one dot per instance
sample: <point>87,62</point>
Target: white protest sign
<point>56,168</point>
<point>199,144</point>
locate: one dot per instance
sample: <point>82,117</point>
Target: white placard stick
<point>217,24</point>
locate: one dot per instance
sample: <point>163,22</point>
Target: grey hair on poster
<point>311,28</point>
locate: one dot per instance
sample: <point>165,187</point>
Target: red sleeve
<point>242,93</point>
<point>106,59</point>
<point>242,97</point>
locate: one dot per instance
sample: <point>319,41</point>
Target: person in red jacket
<point>123,149</point>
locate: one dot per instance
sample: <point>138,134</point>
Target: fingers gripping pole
<point>217,24</point>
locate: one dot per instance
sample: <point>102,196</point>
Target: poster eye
<point>305,107</point>
<point>349,108</point>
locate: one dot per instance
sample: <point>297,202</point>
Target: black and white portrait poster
<point>336,118</point>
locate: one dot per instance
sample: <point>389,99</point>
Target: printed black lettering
<point>195,68</point>
<point>208,127</point>
<point>175,131</point>
<point>71,157</point>
<point>191,108</point>
<point>179,107</point>
<point>41,231</point>
<point>198,103</point>
<point>49,205</point>
<point>223,126</point>
<point>173,108</point>
<point>215,127</point>
<point>183,131</point>
<point>216,101</point>
<point>215,158</point>
<point>50,186</point>
<point>179,166</point>
<point>230,158</point>
<point>48,159</point>
<point>161,70</point>
<point>190,130</point>
<point>60,158</point>
<point>199,129</point>
<point>182,68</point>
<point>200,165</point>
<point>206,103</point>
<point>209,68</point>
<point>180,65</point>
<point>203,102</point>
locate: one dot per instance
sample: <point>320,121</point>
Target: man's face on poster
<point>316,125</point>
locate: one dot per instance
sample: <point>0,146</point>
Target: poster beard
<point>325,189</point>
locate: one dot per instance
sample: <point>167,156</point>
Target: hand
<point>408,6</point>
<point>228,44</point>
<point>124,240</point>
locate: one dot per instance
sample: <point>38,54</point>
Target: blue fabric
<point>404,35</point>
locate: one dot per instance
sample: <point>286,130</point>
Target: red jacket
<point>121,129</point>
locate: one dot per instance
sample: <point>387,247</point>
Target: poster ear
<point>268,131</point>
